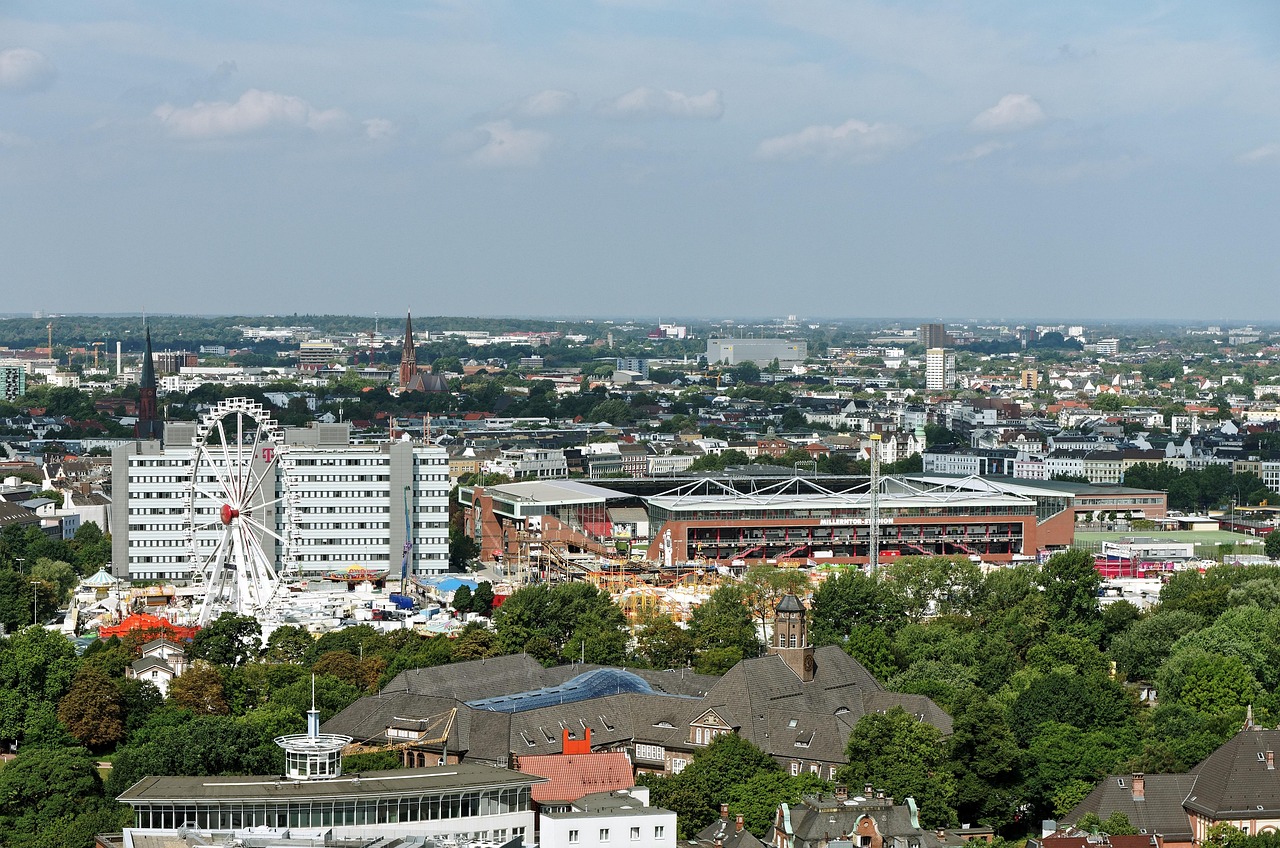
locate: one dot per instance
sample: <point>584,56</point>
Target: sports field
<point>1199,537</point>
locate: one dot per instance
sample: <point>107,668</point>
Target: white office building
<point>335,504</point>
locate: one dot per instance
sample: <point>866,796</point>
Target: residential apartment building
<point>13,381</point>
<point>528,463</point>
<point>335,504</point>
<point>933,335</point>
<point>939,369</point>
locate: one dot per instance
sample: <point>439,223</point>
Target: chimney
<point>866,790</point>
<point>842,792</point>
<point>1271,760</point>
<point>1139,783</point>
<point>737,824</point>
<point>724,811</point>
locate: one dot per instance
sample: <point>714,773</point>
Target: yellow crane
<point>406,733</point>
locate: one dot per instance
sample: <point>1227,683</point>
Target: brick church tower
<point>408,356</point>
<point>791,637</point>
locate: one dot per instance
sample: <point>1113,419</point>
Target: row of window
<point>344,478</point>
<point>658,832</point>
<point>814,768</point>
<point>309,814</point>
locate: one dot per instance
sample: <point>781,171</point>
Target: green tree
<point>54,797</point>
<point>904,756</point>
<point>729,760</point>
<point>614,411</point>
<point>36,669</point>
<point>229,640</point>
<point>482,598</point>
<point>933,585</point>
<point>984,757</point>
<point>849,599</point>
<point>664,644</point>
<point>462,598</point>
<point>1271,545</point>
<point>765,586</point>
<point>1089,702</point>
<point>1070,583</point>
<point>475,642</point>
<point>723,631</point>
<point>1116,824</point>
<point>758,797</point>
<point>289,643</point>
<point>1210,684</point>
<point>1060,754</point>
<point>573,618</point>
<point>57,574</point>
<point>1141,649</point>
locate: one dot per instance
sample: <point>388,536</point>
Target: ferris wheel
<point>239,482</point>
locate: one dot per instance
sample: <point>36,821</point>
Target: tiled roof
<point>1237,779</point>
<point>570,777</point>
<point>1160,810</point>
<point>724,832</point>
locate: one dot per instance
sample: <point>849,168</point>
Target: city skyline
<point>637,157</point>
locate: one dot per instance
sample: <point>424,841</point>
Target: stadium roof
<point>896,493</point>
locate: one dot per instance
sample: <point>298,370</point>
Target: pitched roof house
<point>1238,784</point>
<point>799,703</point>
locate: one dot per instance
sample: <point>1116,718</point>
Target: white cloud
<point>256,111</point>
<point>652,103</point>
<point>500,145</point>
<point>855,141</point>
<point>549,103</point>
<point>1013,112</point>
<point>981,151</point>
<point>379,129</point>
<point>1265,153</point>
<point>22,69</point>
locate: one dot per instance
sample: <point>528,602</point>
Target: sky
<point>988,159</point>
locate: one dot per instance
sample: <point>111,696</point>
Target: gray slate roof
<point>1160,811</point>
<point>1235,778</point>
<point>761,698</point>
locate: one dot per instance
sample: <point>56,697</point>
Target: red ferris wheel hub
<point>228,513</point>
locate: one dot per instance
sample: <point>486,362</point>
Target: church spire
<point>148,426</point>
<point>408,356</point>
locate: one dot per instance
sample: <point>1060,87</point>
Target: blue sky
<point>716,159</point>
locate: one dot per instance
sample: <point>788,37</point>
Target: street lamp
<point>20,561</point>
<point>34,615</point>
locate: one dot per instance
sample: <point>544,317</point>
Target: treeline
<point>1193,490</point>
<point>1021,658</point>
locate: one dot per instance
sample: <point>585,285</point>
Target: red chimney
<point>576,746</point>
<point>724,811</point>
<point>1271,760</point>
<point>1139,783</point>
<point>737,824</point>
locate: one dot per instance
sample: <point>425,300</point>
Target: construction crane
<point>432,730</point>
<point>873,561</point>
